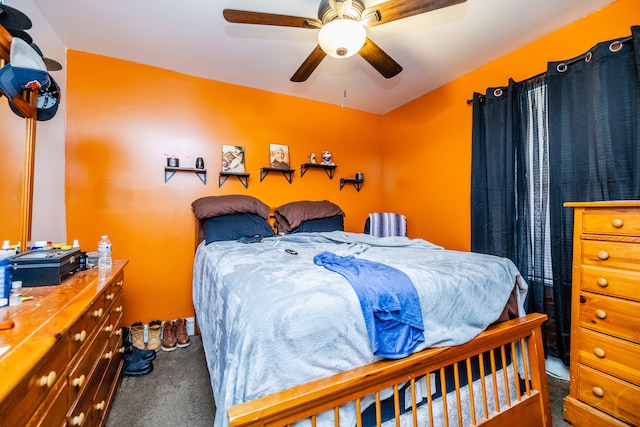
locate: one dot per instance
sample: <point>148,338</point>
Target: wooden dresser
<point>64,362</point>
<point>605,315</point>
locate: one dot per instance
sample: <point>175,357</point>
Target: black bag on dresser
<point>44,268</point>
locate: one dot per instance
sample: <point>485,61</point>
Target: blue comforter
<point>270,319</point>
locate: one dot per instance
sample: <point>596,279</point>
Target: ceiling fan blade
<point>397,9</point>
<point>245,17</point>
<point>379,59</point>
<point>309,65</point>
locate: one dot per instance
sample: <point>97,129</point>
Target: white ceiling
<point>192,37</point>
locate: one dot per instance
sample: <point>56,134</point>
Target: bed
<point>287,339</point>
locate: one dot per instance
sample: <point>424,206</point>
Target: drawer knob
<point>601,314</point>
<point>603,255</point>
<point>118,331</point>
<point>108,329</point>
<point>120,283</point>
<point>598,391</point>
<point>100,406</point>
<point>79,381</point>
<point>108,355</point>
<point>48,380</point>
<point>110,296</point>
<point>118,309</point>
<point>97,313</point>
<point>602,282</point>
<point>121,350</point>
<point>80,336</point>
<point>599,352</point>
<point>78,420</point>
<point>617,223</point>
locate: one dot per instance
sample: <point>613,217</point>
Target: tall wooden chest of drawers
<point>605,315</point>
<point>62,362</point>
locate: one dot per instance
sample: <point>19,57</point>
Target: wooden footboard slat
<point>333,392</point>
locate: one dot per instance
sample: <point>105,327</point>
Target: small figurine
<point>312,157</point>
<point>326,158</point>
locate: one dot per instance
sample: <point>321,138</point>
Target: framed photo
<point>233,158</point>
<point>279,156</point>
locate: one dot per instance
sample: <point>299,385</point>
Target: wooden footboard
<point>522,396</point>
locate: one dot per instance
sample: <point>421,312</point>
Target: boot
<point>134,366</point>
<point>155,330</point>
<point>169,336</point>
<point>147,355</point>
<point>182,336</point>
<point>137,335</point>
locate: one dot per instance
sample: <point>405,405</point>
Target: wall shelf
<point>327,168</point>
<point>287,173</point>
<point>357,183</point>
<point>169,172</point>
<point>242,177</point>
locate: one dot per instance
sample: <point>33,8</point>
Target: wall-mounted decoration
<point>279,156</point>
<point>327,158</point>
<point>356,182</point>
<point>233,159</point>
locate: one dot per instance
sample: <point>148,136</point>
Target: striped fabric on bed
<point>383,224</point>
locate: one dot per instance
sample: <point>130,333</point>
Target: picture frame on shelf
<point>279,156</point>
<point>233,159</point>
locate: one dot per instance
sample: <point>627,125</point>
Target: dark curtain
<point>492,178</point>
<point>509,181</point>
<point>594,142</point>
<point>593,148</point>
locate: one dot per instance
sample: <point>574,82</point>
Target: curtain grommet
<point>561,67</point>
<point>615,46</point>
<point>498,92</point>
<point>588,57</point>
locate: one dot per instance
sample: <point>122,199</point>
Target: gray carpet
<point>178,392</point>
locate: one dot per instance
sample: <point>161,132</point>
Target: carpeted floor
<point>178,392</point>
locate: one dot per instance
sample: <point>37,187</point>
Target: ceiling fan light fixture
<point>342,38</point>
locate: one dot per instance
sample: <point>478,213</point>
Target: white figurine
<point>326,158</point>
<point>312,157</point>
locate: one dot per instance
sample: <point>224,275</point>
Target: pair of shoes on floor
<point>153,335</point>
<point>137,362</point>
<point>174,335</point>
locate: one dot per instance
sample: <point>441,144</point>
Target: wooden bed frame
<point>530,407</point>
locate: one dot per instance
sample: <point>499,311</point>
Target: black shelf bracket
<point>169,172</point>
<point>327,168</point>
<point>242,177</point>
<point>357,183</point>
<point>287,173</point>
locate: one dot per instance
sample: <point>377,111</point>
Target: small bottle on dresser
<point>104,250</point>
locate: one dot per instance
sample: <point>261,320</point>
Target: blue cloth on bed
<point>389,303</point>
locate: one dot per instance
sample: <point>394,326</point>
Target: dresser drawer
<point>613,396</point>
<point>613,356</point>
<point>36,385</point>
<point>622,222</point>
<point>612,316</point>
<point>616,283</point>
<point>625,256</point>
<point>80,375</point>
<point>53,411</point>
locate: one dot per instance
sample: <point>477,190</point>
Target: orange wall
<point>12,142</point>
<point>124,119</point>
<point>429,180</point>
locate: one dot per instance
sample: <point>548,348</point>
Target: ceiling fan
<point>340,23</point>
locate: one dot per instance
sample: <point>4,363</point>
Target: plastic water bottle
<point>104,249</point>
